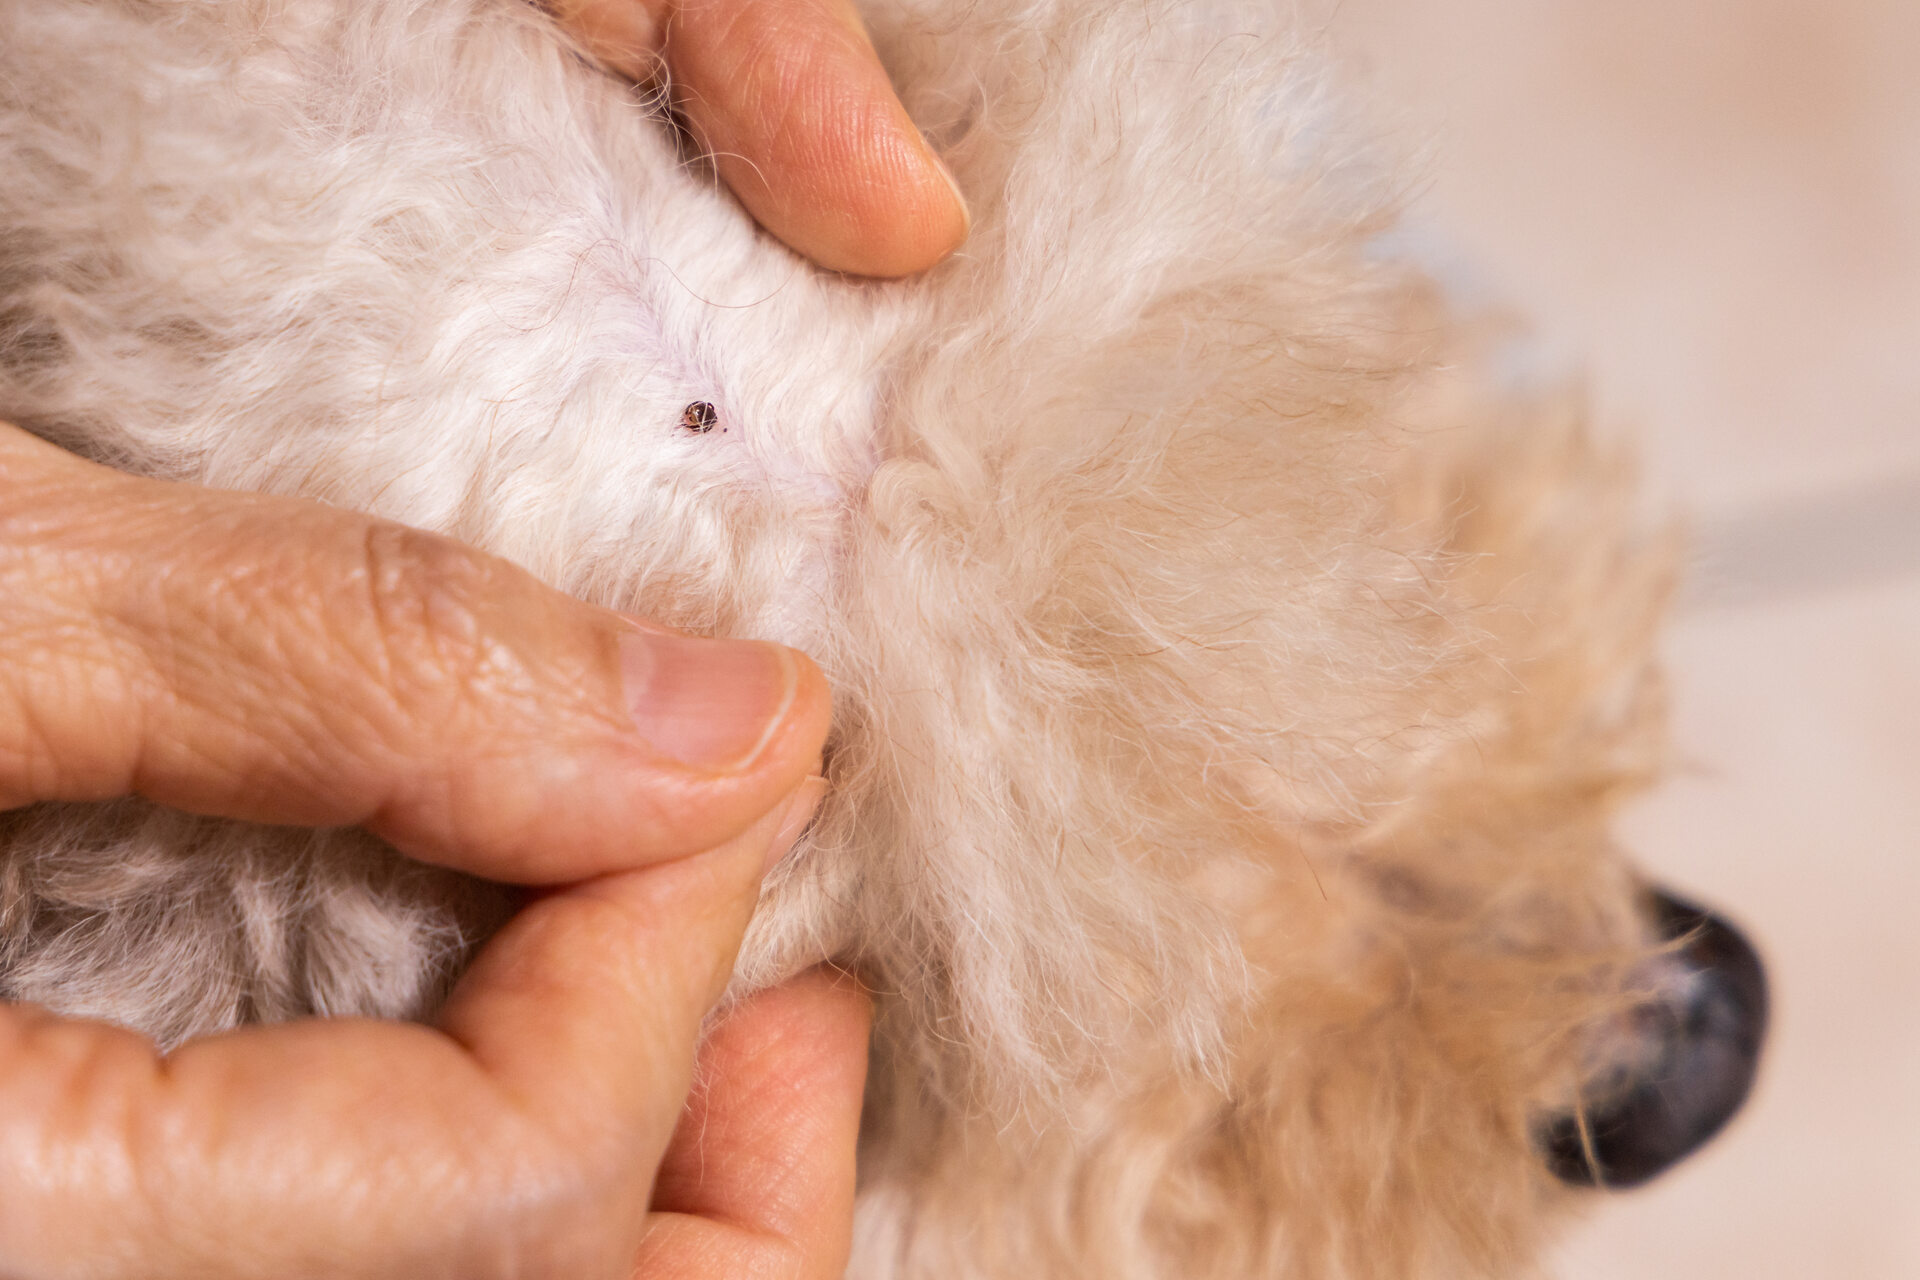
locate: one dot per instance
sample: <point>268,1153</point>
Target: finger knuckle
<point>429,603</point>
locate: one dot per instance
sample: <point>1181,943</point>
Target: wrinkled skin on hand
<point>281,661</point>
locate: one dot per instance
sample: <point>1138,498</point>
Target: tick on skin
<point>699,417</point>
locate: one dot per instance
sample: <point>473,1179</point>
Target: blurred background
<point>1709,210</point>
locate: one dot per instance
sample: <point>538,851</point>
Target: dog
<point>1234,681</point>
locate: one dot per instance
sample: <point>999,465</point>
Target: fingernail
<point>800,810</point>
<point>712,704</point>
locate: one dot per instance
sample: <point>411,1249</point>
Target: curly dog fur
<point>1234,682</point>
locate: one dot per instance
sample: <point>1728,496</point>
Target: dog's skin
<point>1233,683</point>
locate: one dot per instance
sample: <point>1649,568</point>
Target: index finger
<point>276,660</point>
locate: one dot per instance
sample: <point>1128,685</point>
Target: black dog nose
<point>1702,1036</point>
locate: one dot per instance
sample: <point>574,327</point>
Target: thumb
<point>520,1137</point>
<point>281,661</point>
<point>790,99</point>
<point>588,1005</point>
<point>759,1178</point>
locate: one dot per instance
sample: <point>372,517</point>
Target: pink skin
<point>152,648</point>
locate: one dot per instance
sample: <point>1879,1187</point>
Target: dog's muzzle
<point>1698,1041</point>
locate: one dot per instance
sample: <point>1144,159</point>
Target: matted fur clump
<point>1232,690</point>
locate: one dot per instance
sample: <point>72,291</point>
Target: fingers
<point>587,1005</point>
<point>281,661</point>
<point>759,1179</point>
<point>791,100</point>
<point>521,1139</point>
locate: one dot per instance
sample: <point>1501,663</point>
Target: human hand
<point>789,98</point>
<point>280,661</point>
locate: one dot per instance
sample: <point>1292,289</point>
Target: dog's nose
<point>1699,1042</point>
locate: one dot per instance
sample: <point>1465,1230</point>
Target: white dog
<point>1233,686</point>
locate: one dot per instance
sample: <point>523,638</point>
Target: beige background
<point>1710,209</point>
